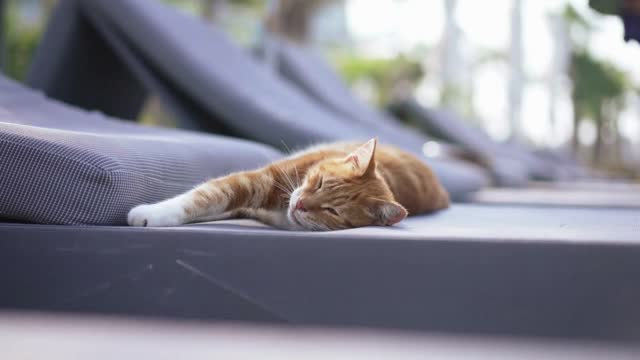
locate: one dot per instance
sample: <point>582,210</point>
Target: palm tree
<point>598,94</point>
<point>599,88</point>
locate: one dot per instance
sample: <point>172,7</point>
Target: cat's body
<point>326,187</point>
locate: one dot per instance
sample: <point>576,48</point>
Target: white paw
<point>160,214</point>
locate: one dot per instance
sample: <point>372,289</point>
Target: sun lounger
<point>201,76</point>
<point>312,75</point>
<point>65,166</point>
<point>446,124</point>
<point>511,164</point>
<point>558,273</point>
<point>457,271</point>
<point>472,269</point>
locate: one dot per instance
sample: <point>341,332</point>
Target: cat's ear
<point>388,213</point>
<point>362,159</point>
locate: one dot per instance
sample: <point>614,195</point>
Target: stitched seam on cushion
<point>148,177</point>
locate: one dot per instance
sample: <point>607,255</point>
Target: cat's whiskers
<point>282,188</point>
<point>286,147</point>
<point>297,176</point>
<point>287,178</point>
<point>309,224</point>
<point>317,226</point>
<point>281,172</point>
<point>291,182</point>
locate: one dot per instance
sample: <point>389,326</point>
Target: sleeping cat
<point>326,187</point>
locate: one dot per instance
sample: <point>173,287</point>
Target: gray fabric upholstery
<point>65,166</point>
<point>447,125</point>
<point>202,76</point>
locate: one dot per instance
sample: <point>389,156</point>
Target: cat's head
<point>340,193</point>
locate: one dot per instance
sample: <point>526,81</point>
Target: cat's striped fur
<point>327,187</point>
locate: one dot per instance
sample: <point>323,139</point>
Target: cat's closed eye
<point>330,210</point>
<point>319,185</point>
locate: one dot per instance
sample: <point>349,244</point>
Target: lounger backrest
<point>202,62</point>
<point>447,125</point>
<point>309,72</point>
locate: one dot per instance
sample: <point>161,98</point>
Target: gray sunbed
<point>556,273</point>
<point>508,162</point>
<point>448,125</point>
<point>200,76</point>
<point>61,165</point>
<point>564,273</point>
<point>311,74</point>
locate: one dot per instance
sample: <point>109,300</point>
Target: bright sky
<point>391,26</point>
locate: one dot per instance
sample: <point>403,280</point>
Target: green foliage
<point>252,3</point>
<point>196,6</point>
<point>573,17</point>
<point>594,83</point>
<point>384,74</point>
<point>609,7</point>
<point>21,41</point>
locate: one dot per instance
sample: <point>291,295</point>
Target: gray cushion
<point>65,166</point>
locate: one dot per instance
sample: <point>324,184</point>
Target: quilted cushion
<point>60,165</point>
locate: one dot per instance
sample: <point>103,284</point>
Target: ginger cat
<point>326,187</point>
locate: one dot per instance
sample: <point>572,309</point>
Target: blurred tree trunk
<point>617,142</point>
<point>575,138</point>
<point>48,6</point>
<point>213,10</point>
<point>208,10</point>
<point>600,126</point>
<point>516,76</point>
<point>292,18</point>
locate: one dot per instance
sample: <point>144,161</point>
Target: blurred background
<point>551,73</point>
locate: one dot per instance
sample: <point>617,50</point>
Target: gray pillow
<point>60,165</point>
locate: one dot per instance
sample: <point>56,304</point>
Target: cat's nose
<point>300,206</point>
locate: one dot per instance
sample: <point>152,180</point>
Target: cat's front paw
<point>155,215</point>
